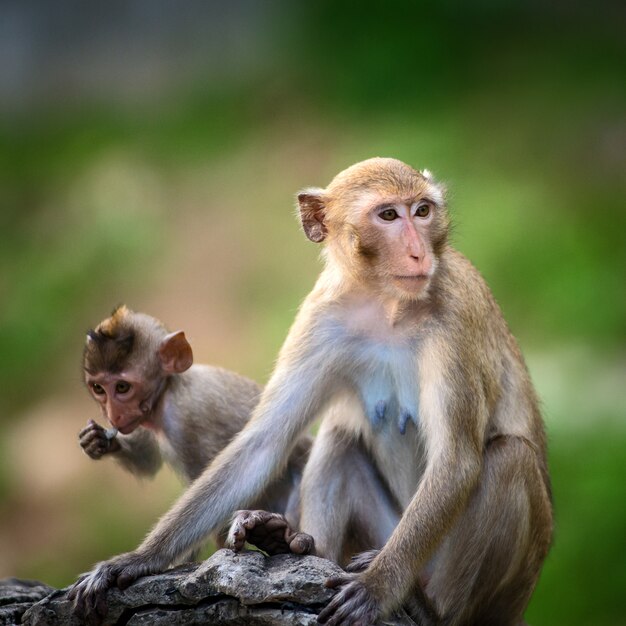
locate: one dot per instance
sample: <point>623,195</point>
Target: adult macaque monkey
<point>431,447</point>
<point>163,407</point>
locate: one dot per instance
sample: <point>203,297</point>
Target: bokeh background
<point>150,152</point>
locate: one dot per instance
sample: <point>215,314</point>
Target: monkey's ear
<point>312,213</point>
<point>175,353</point>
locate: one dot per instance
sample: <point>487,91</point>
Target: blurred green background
<point>150,152</point>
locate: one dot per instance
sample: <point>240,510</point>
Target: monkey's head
<point>127,360</point>
<point>384,223</point>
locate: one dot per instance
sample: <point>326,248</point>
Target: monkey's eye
<point>97,389</point>
<point>122,387</point>
<point>423,210</point>
<point>388,215</point>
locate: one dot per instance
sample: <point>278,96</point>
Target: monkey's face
<point>387,224</point>
<point>127,361</point>
<point>124,398</point>
<point>392,245</point>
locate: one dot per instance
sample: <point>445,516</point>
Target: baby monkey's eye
<point>423,210</point>
<point>97,389</point>
<point>122,386</point>
<point>388,215</point>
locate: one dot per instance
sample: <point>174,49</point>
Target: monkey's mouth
<point>128,428</point>
<point>412,278</point>
<point>412,285</point>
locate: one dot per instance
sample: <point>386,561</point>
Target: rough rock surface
<point>234,589</point>
<point>18,595</point>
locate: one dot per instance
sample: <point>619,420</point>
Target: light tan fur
<point>429,416</point>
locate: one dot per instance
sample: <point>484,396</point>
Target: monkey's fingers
<point>89,595</point>
<point>360,562</point>
<point>99,608</point>
<point>77,599</point>
<point>91,610</point>
<point>96,448</point>
<point>273,523</point>
<point>124,569</point>
<point>299,543</point>
<point>129,575</point>
<point>93,438</point>
<point>267,531</point>
<point>91,427</point>
<point>237,533</point>
<point>353,605</point>
<point>337,609</point>
<point>337,581</point>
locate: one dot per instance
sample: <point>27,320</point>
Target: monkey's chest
<point>386,379</point>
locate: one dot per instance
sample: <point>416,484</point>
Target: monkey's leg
<point>487,567</point>
<point>344,503</point>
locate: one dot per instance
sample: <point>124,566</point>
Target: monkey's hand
<point>96,441</point>
<point>268,531</point>
<point>89,592</point>
<point>353,605</point>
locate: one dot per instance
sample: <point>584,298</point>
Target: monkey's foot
<point>267,531</point>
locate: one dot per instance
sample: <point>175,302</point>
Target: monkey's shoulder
<point>462,299</point>
<point>206,392</point>
<point>214,377</point>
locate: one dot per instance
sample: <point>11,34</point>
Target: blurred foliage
<point>519,106</point>
<point>589,545</point>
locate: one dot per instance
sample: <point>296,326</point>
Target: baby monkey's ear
<point>175,353</point>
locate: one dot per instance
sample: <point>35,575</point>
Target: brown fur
<point>431,447</point>
<point>488,397</point>
<point>109,345</point>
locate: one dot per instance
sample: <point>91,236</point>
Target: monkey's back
<point>208,406</point>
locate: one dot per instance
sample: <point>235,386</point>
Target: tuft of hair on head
<point>109,345</point>
<point>438,189</point>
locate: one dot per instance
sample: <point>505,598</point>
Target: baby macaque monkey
<point>161,406</point>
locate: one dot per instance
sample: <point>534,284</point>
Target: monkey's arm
<point>138,452</point>
<point>289,403</point>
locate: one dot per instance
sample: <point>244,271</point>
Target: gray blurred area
<point>68,51</point>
